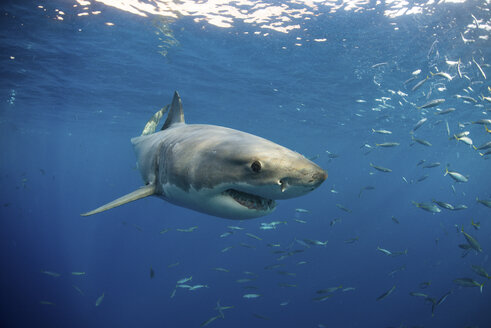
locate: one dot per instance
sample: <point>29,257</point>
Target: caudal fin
<point>135,195</point>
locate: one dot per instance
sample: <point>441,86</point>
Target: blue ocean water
<point>80,78</point>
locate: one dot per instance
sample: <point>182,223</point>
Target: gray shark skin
<point>216,170</point>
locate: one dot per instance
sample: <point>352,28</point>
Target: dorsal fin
<point>176,114</point>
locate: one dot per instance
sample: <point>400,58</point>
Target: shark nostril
<point>319,176</point>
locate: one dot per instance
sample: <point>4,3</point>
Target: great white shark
<point>216,170</point>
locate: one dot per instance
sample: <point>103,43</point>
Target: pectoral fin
<point>154,121</point>
<point>135,195</point>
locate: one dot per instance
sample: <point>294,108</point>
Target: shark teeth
<point>251,201</point>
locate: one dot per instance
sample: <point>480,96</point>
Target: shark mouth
<point>251,201</point>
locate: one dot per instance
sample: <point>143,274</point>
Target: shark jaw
<point>225,201</point>
<point>251,201</point>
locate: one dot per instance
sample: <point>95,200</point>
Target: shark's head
<point>232,174</point>
<point>258,173</point>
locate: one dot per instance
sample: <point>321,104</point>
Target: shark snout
<point>318,177</point>
<point>302,182</point>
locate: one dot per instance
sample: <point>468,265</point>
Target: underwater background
<point>329,79</point>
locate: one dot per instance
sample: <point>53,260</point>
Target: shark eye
<point>256,166</point>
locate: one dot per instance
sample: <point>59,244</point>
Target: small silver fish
<point>456,176</point>
<point>432,103</point>
<point>445,111</point>
<point>468,282</point>
<point>479,67</point>
<point>419,84</point>
<point>380,168</point>
<point>442,74</point>
<point>422,142</point>
<point>429,207</point>
<point>485,202</point>
<point>99,300</point>
<point>387,293</point>
<point>420,123</point>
